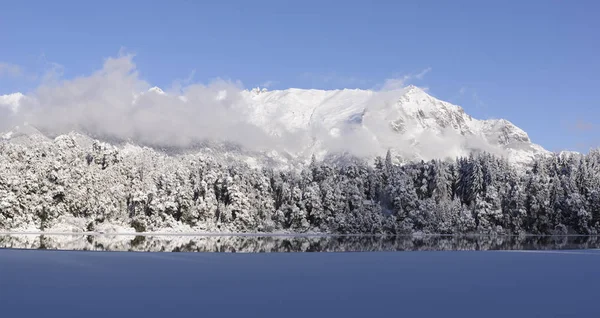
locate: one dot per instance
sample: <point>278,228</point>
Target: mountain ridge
<point>408,121</point>
<point>411,113</point>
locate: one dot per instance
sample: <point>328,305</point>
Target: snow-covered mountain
<point>73,182</point>
<point>409,121</point>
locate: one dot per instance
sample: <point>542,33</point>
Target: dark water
<point>519,277</point>
<point>372,284</point>
<point>265,244</point>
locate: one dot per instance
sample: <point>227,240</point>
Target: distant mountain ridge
<point>400,119</point>
<point>408,121</point>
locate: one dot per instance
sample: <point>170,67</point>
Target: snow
<point>25,134</point>
<point>68,224</point>
<point>568,154</point>
<point>367,123</point>
<point>74,183</point>
<point>157,90</point>
<point>298,109</point>
<point>7,135</point>
<point>395,119</point>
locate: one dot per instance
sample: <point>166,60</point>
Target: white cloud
<point>11,101</point>
<point>422,74</point>
<point>402,81</point>
<point>114,103</point>
<point>47,72</point>
<point>392,84</point>
<point>51,71</point>
<point>105,105</point>
<point>178,84</point>
<point>190,77</point>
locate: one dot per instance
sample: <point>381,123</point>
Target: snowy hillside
<point>73,183</point>
<point>299,123</point>
<point>107,181</point>
<point>409,121</point>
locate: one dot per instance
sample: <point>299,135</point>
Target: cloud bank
<point>115,103</point>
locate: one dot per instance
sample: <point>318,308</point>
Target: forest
<point>49,183</point>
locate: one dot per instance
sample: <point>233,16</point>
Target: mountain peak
<point>415,93</point>
<point>363,122</point>
<point>258,90</point>
<point>408,120</point>
<point>157,90</point>
<point>412,89</point>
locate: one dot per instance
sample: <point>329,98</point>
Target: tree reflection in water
<point>269,244</point>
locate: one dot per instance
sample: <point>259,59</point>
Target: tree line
<point>44,184</point>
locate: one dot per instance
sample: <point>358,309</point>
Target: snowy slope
<point>24,134</point>
<point>409,121</point>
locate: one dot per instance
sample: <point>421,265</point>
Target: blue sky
<point>535,62</point>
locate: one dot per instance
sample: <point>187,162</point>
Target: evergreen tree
<point>52,184</point>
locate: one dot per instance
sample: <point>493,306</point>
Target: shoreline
<point>258,234</point>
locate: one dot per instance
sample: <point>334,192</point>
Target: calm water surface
<point>520,277</point>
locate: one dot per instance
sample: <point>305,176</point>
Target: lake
<point>68,276</point>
